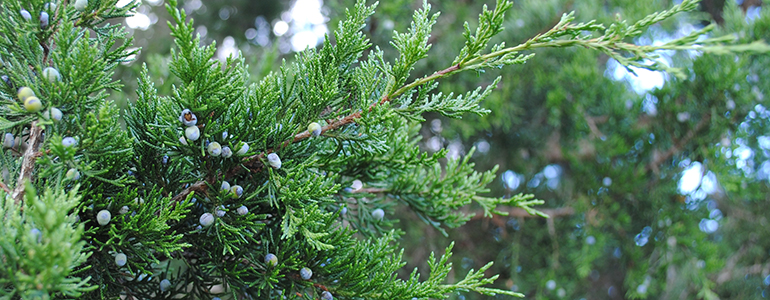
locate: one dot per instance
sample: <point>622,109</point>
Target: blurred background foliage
<point>656,186</point>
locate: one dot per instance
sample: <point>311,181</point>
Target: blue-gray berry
<point>220,211</point>
<point>237,191</point>
<point>314,129</point>
<point>274,160</point>
<point>214,149</point>
<point>305,273</point>
<point>164,285</point>
<point>25,14</point>
<point>226,152</point>
<point>103,217</point>
<point>192,133</point>
<point>121,259</point>
<point>81,5</point>
<point>53,114</point>
<point>378,214</point>
<point>9,140</point>
<point>327,296</point>
<point>242,210</point>
<point>43,19</point>
<point>72,174</point>
<point>225,186</point>
<point>69,142</point>
<point>206,219</point>
<point>271,260</point>
<point>243,149</point>
<point>188,118</point>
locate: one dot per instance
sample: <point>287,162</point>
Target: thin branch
<point>677,147</point>
<point>28,163</point>
<point>5,188</point>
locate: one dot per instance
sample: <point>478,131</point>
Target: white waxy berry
<point>164,285</point>
<point>220,211</point>
<point>274,160</point>
<point>343,210</point>
<point>9,140</point>
<point>192,133</point>
<point>43,19</point>
<point>224,135</point>
<point>33,104</point>
<point>103,217</point>
<point>36,234</point>
<point>327,296</point>
<point>123,210</point>
<point>226,152</point>
<point>183,140</point>
<point>242,210</point>
<point>305,273</point>
<point>81,5</point>
<point>51,74</point>
<point>314,129</point>
<point>188,118</point>
<point>378,214</point>
<point>225,185</point>
<point>50,6</point>
<point>24,93</point>
<point>357,185</point>
<point>214,149</point>
<point>207,219</point>
<point>53,114</point>
<point>237,191</point>
<point>68,142</point>
<point>244,148</point>
<point>25,14</point>
<point>72,174</point>
<point>121,259</point>
<point>271,260</point>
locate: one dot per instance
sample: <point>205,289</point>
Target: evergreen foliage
<point>174,196</point>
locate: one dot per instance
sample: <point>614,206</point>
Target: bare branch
<point>28,163</point>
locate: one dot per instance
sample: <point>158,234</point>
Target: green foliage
<point>324,202</point>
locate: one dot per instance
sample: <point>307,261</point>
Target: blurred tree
<point>656,185</point>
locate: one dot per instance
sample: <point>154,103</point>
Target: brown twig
<point>677,147</point>
<point>5,188</point>
<point>28,163</point>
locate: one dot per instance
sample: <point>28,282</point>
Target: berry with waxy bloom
<point>51,74</point>
<point>164,285</point>
<point>225,186</point>
<point>274,160</point>
<point>53,114</point>
<point>33,104</point>
<point>188,118</point>
<point>242,210</point>
<point>192,133</point>
<point>9,140</point>
<point>237,191</point>
<point>43,19</point>
<point>81,5</point>
<point>326,296</point>
<point>26,15</point>
<point>220,211</point>
<point>271,260</point>
<point>243,149</point>
<point>103,217</point>
<point>305,273</point>
<point>68,142</point>
<point>226,152</point>
<point>314,129</point>
<point>121,259</point>
<point>378,214</point>
<point>206,219</point>
<point>214,149</point>
<point>24,93</point>
<point>123,210</point>
<point>72,174</point>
